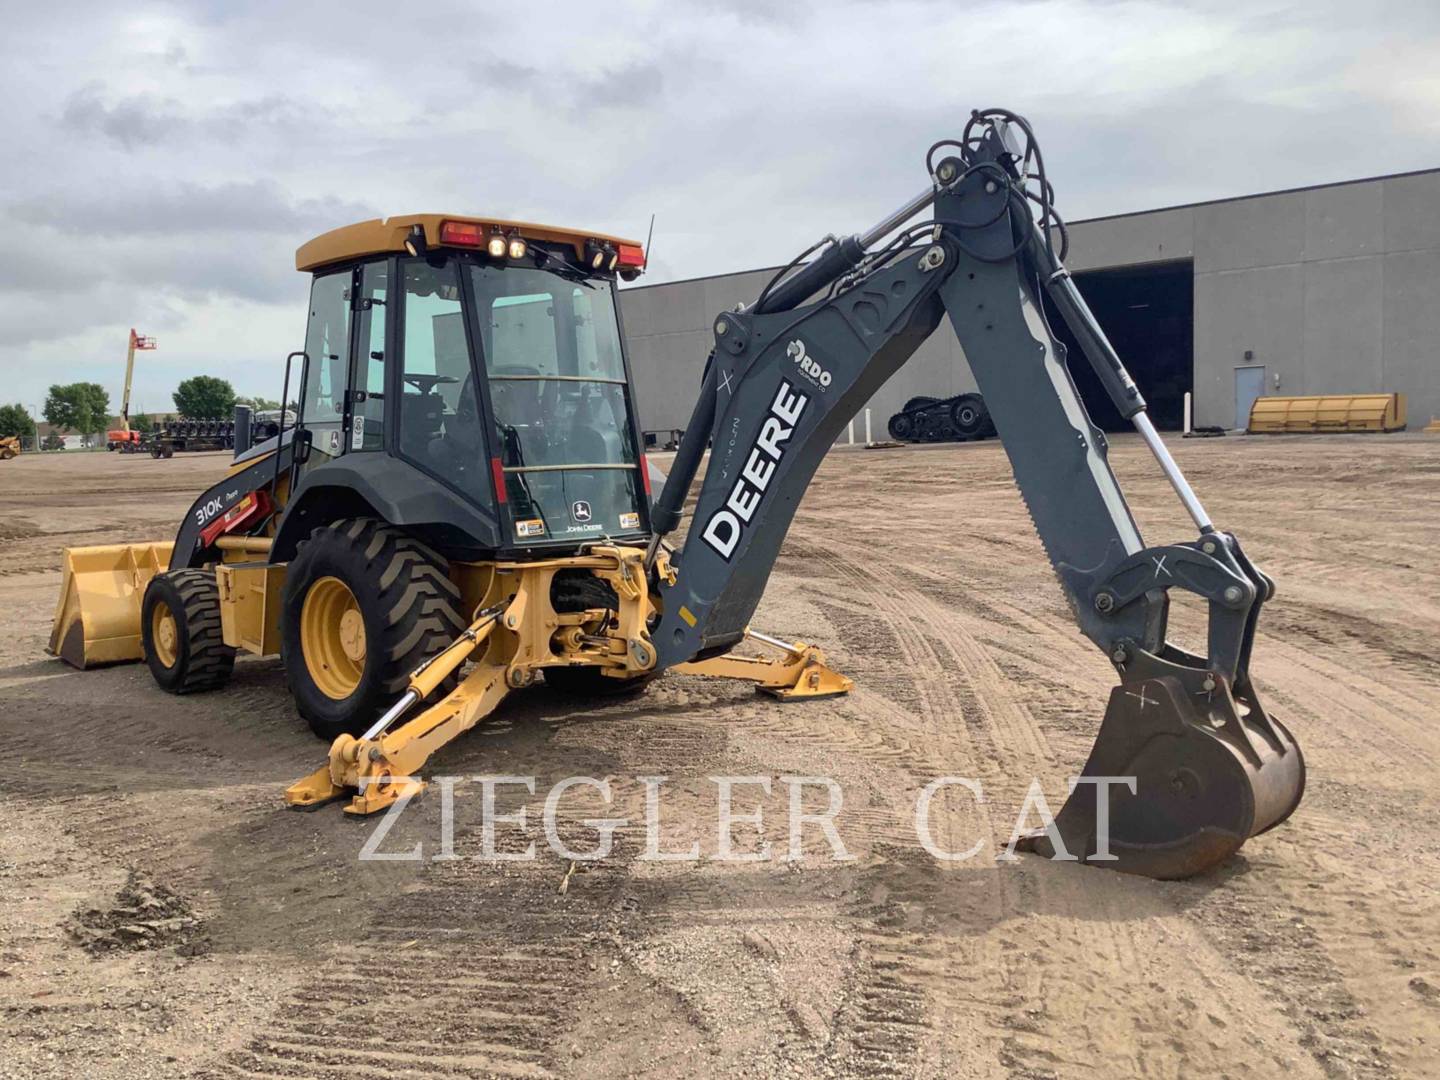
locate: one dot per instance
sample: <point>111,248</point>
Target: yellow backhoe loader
<point>462,505</point>
<point>9,447</point>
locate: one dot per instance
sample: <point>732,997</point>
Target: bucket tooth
<point>1210,772</point>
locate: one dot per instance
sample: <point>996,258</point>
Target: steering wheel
<point>427,383</point>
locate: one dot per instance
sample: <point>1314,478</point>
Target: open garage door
<point>1149,314</point>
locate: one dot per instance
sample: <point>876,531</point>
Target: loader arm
<point>1211,768</point>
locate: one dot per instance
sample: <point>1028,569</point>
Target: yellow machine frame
<point>515,633</point>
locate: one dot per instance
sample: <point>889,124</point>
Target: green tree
<point>204,397</point>
<point>259,404</point>
<point>82,407</point>
<point>15,420</point>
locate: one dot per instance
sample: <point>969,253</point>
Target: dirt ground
<point>161,913</point>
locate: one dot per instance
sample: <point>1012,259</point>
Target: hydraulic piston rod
<point>889,224</point>
<point>1172,472</point>
<point>1116,380</point>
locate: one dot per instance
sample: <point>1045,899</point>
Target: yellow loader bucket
<point>98,619</point>
<point>1336,412</point>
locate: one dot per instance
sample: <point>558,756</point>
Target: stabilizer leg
<point>381,766</point>
<point>802,675</point>
<point>381,770</point>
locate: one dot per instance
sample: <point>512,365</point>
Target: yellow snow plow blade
<point>98,618</point>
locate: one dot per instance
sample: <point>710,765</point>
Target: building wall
<point>667,330</point>
<point>1333,289</point>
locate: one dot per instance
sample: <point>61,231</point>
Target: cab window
<point>561,408</point>
<point>327,349</point>
<point>439,420</point>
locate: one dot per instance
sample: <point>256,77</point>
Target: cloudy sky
<point>163,161</point>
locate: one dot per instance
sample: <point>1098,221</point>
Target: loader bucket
<point>98,618</point>
<point>1210,768</point>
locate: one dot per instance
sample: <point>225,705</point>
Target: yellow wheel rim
<point>332,637</point>
<point>164,634</point>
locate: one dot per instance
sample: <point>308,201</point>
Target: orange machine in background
<point>123,438</point>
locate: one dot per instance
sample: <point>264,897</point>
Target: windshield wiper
<point>559,267</point>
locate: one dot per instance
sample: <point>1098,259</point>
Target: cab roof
<point>383,235</point>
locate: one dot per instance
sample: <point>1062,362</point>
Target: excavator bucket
<point>98,618</point>
<point>1209,769</point>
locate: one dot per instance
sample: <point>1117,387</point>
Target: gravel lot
<point>164,915</point>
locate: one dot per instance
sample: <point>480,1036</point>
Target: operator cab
<point>467,379</point>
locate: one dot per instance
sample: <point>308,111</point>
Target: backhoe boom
<point>1211,768</point>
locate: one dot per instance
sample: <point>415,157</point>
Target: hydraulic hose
<point>837,259</point>
<point>665,515</point>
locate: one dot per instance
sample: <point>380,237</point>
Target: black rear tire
<point>190,655</point>
<point>409,607</point>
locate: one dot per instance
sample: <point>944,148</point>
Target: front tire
<point>364,605</point>
<point>180,628</point>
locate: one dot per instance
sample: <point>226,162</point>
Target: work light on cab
<point>496,245</point>
<point>517,247</point>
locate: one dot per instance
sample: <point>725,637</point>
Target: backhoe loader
<point>463,506</point>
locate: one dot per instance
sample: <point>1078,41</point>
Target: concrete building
<point>1330,289</point>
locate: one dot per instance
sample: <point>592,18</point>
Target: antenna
<point>648,237</point>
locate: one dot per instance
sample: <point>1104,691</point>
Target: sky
<point>163,161</point>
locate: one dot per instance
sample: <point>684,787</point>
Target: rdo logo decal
<point>807,364</point>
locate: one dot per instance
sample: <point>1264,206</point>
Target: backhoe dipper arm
<point>1211,768</point>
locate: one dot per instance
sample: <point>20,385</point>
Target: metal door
<point>1249,385</point>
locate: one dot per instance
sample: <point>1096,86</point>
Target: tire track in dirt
<point>1097,931</point>
<point>463,972</point>
<point>887,1018</point>
<point>140,739</point>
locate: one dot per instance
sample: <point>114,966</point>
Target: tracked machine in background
<point>200,436</point>
<point>962,418</point>
<point>196,436</point>
<point>462,507</point>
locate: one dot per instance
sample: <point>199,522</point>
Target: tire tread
<point>418,601</point>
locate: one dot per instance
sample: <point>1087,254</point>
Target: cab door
<point>324,390</point>
<point>365,416</point>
